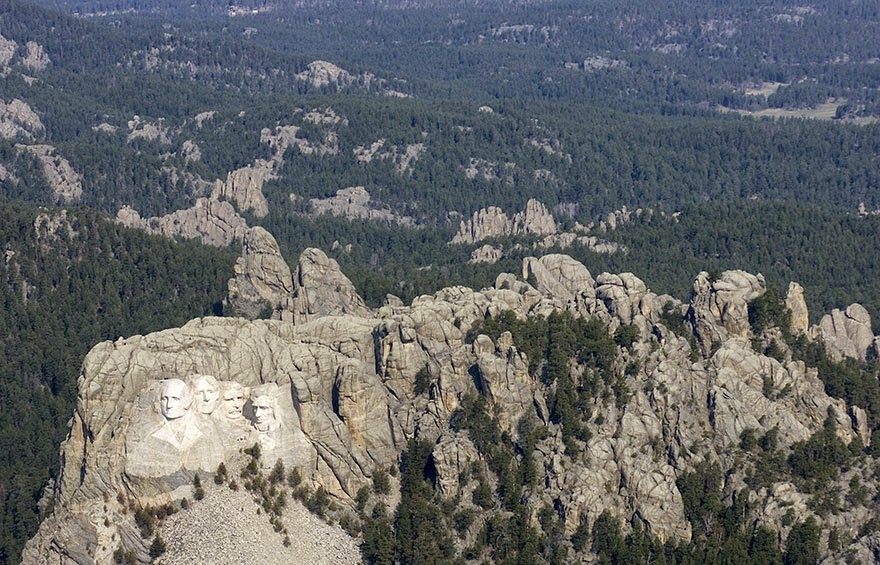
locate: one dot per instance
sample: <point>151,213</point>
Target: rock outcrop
<point>337,390</point>
<point>66,183</point>
<point>846,333</point>
<point>244,186</point>
<point>493,222</point>
<point>321,289</point>
<point>354,203</point>
<point>720,307</point>
<point>19,121</point>
<point>403,158</point>
<point>797,305</point>
<point>262,278</point>
<point>209,220</point>
<point>323,74</point>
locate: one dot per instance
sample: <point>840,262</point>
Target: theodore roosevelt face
<point>234,398</point>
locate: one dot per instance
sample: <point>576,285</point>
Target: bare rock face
<point>846,333</point>
<point>719,309</point>
<point>31,55</point>
<point>322,74</point>
<point>66,183</point>
<point>209,220</point>
<point>486,254</point>
<point>403,157</point>
<point>19,121</point>
<point>245,187</point>
<point>354,203</point>
<point>321,289</point>
<point>559,275</point>
<point>800,316</point>
<point>35,57</point>
<point>536,219</point>
<point>262,278</point>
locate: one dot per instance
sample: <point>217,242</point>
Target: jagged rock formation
<point>719,310</point>
<point>321,289</point>
<point>151,131</point>
<point>19,121</point>
<point>209,220</point>
<point>846,333</point>
<point>493,222</point>
<point>66,183</point>
<point>354,203</point>
<point>244,186</point>
<point>797,305</point>
<point>339,382</point>
<point>486,254</point>
<point>536,219</point>
<point>262,278</point>
<point>31,55</point>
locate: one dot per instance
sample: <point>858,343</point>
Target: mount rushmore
<point>328,387</point>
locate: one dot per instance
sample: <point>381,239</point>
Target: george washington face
<point>175,399</point>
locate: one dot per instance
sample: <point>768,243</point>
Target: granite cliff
<point>347,387</point>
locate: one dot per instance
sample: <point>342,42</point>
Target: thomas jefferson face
<point>234,398</point>
<point>175,399</point>
<point>206,395</point>
<point>264,413</point>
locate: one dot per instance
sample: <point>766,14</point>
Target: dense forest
<point>587,106</point>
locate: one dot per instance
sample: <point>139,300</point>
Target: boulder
<point>846,333</point>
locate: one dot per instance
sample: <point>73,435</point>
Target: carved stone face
<point>234,398</point>
<point>264,413</point>
<point>175,399</point>
<point>206,395</point>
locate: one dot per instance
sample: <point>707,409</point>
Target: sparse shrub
<point>294,478</point>
<point>276,475</point>
<point>158,547</point>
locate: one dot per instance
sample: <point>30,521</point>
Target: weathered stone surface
<point>354,203</point>
<point>452,457</point>
<point>719,308</point>
<point>403,157</point>
<point>321,289</point>
<point>209,220</point>
<point>323,74</point>
<point>35,57</point>
<point>846,333</point>
<point>559,276</point>
<point>486,254</point>
<point>493,222</point>
<point>151,131</point>
<point>19,121</point>
<point>245,187</point>
<point>262,278</point>
<point>800,316</point>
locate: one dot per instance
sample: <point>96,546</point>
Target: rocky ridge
<point>535,220</point>
<point>346,377</point>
